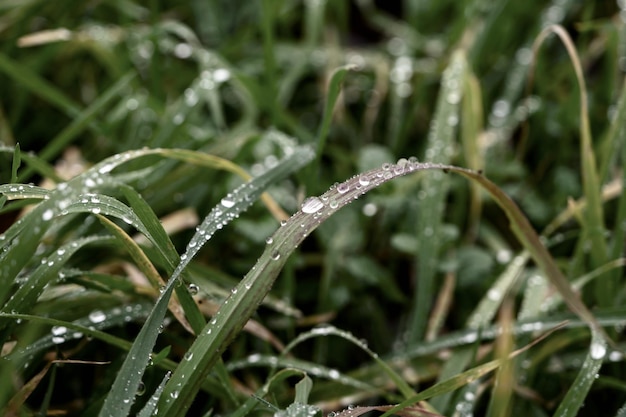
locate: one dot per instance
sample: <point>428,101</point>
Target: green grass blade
<point>150,406</point>
<point>576,395</point>
<point>593,221</point>
<point>435,188</point>
<point>81,121</point>
<point>169,258</point>
<point>334,88</point>
<point>402,386</point>
<point>488,306</point>
<point>124,389</point>
<point>462,379</point>
<point>38,85</point>
<point>26,295</point>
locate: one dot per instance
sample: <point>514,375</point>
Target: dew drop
<point>58,330</point>
<point>193,289</point>
<point>275,255</point>
<point>141,389</point>
<point>188,355</point>
<point>333,204</point>
<point>269,240</point>
<point>343,188</point>
<point>97,316</point>
<point>227,202</point>
<point>47,215</point>
<point>598,350</point>
<point>364,180</point>
<point>312,205</point>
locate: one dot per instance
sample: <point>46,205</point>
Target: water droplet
<point>227,202</point>
<point>221,74</point>
<point>343,188</point>
<point>234,290</point>
<point>47,215</point>
<point>454,97</point>
<point>97,316</point>
<point>370,209</point>
<point>364,180</point>
<point>597,350</point>
<point>275,255</point>
<point>312,205</point>
<point>493,294</point>
<point>283,222</point>
<point>58,330</point>
<point>386,166</point>
<point>269,240</point>
<point>141,389</point>
<point>188,355</point>
<point>193,289</point>
<point>333,203</point>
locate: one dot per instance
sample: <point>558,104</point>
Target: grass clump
<point>319,207</point>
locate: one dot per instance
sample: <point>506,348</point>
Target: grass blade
<point>593,222</point>
<point>435,188</point>
<point>124,389</point>
<point>575,397</point>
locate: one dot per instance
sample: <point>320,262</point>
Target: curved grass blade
<point>26,295</point>
<point>124,388</point>
<point>435,188</point>
<point>251,290</point>
<point>402,386</point>
<point>576,395</point>
<point>310,368</point>
<point>148,269</point>
<point>593,221</point>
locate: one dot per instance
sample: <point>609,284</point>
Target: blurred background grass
<point>80,81</point>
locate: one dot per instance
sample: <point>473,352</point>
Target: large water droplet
<point>58,330</point>
<point>312,205</point>
<point>97,316</point>
<point>597,350</point>
<point>47,215</point>
<point>227,202</point>
<point>193,289</point>
<point>141,389</point>
<point>343,188</point>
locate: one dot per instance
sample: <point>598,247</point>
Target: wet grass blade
<point>434,190</point>
<point>150,406</point>
<point>463,379</point>
<point>249,293</point>
<point>593,221</point>
<point>124,388</point>
<point>576,395</point>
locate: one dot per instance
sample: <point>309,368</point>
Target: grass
<point>312,208</point>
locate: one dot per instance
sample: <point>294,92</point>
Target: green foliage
<point>494,290</point>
